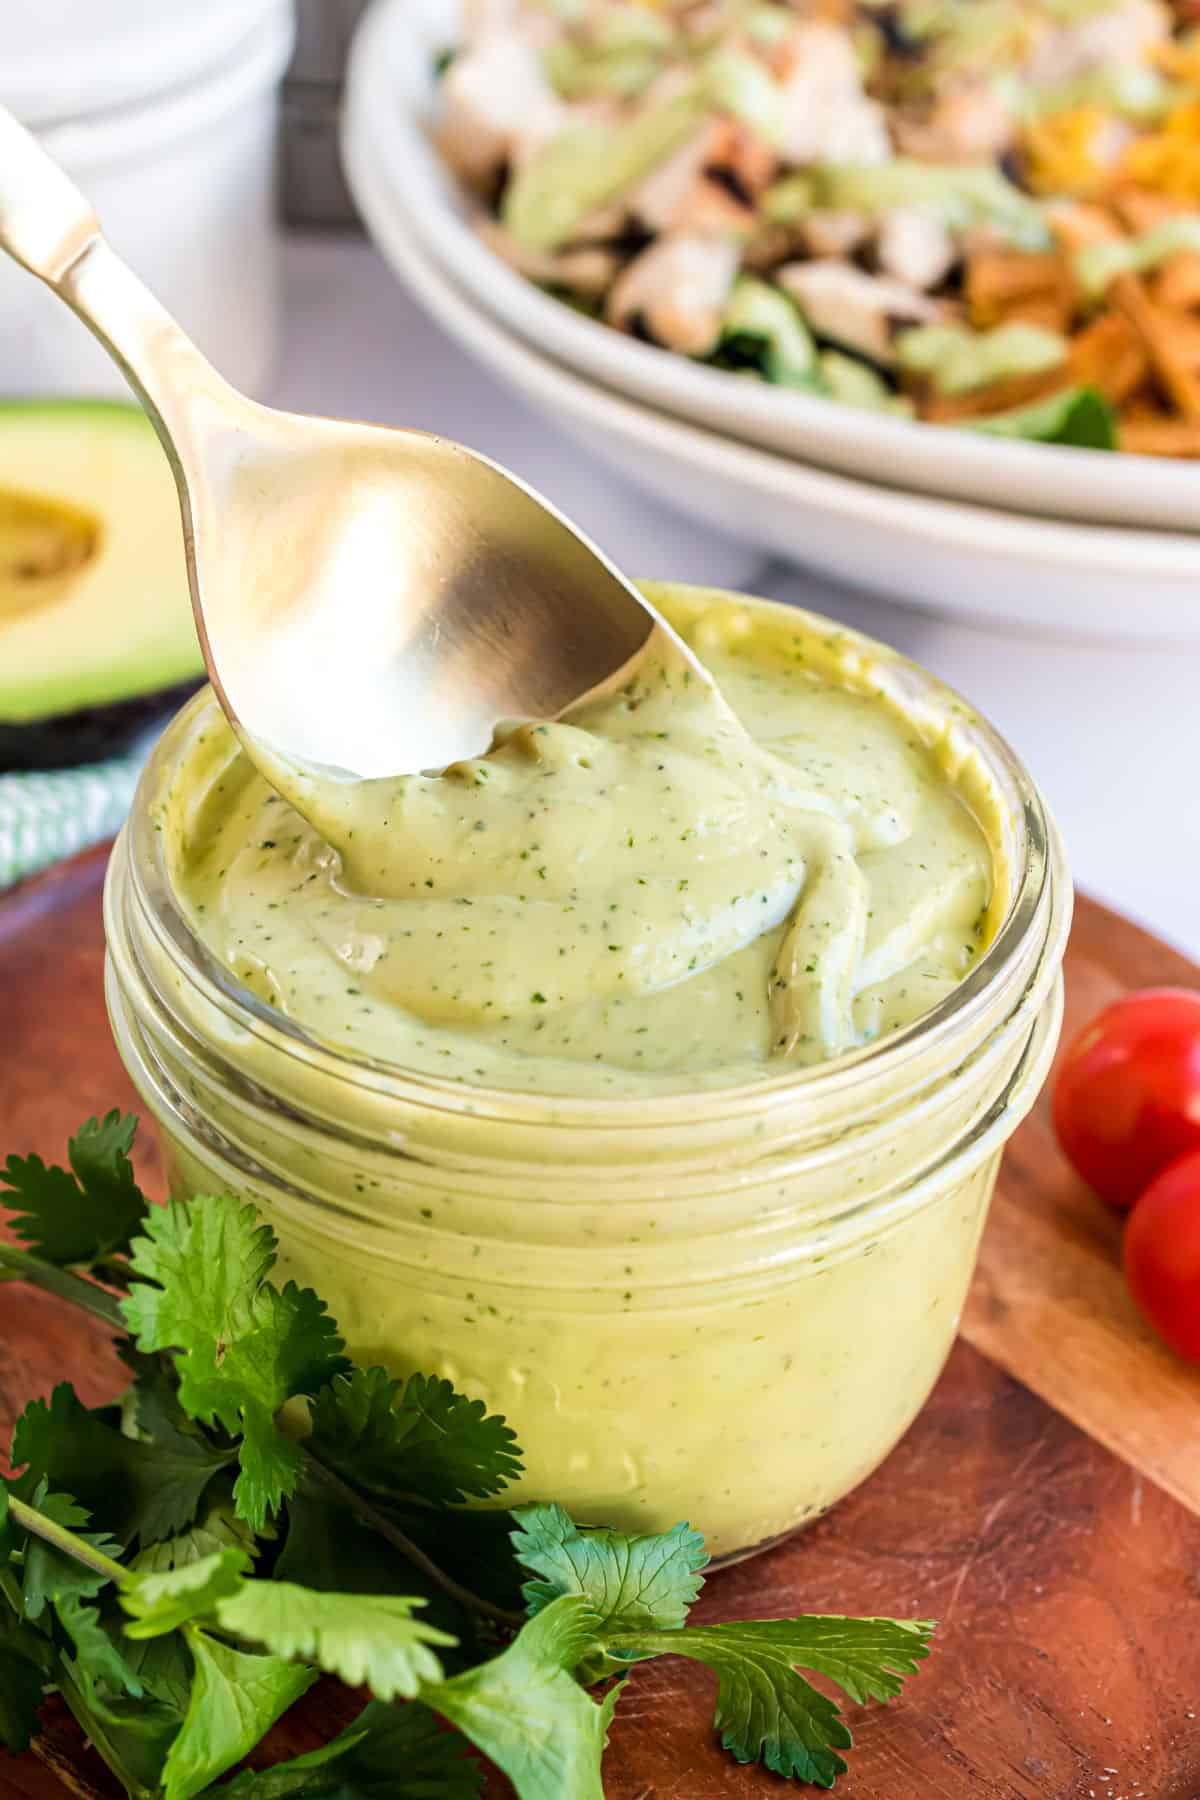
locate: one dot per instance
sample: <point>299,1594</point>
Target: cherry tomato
<point>1162,1255</point>
<point>1127,1095</point>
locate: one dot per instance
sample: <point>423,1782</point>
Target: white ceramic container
<point>166,114</point>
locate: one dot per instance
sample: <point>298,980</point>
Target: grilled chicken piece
<point>677,289</point>
<point>863,312</point>
<point>915,247</point>
<point>1117,37</point>
<point>827,117</point>
<point>969,123</point>
<point>835,233</point>
<point>709,186</point>
<point>661,196</point>
<point>498,106</point>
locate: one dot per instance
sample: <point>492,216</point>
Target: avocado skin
<point>68,739</point>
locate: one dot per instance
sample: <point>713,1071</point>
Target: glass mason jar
<point>724,1306</point>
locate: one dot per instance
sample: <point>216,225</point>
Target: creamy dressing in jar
<point>678,885</point>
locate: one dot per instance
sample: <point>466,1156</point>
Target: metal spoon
<point>369,602</point>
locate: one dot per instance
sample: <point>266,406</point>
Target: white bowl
<point>392,93</point>
<point>1042,575</point>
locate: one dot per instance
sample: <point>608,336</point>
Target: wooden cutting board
<point>1045,1507</point>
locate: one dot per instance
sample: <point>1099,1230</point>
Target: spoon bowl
<point>370,602</point>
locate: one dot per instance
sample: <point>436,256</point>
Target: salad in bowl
<point>982,213</point>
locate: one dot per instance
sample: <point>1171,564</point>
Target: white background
<point>1112,734</point>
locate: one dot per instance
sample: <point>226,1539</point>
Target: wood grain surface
<point>1045,1507</point>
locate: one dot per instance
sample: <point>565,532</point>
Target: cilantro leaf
<point>271,1465</point>
<point>630,1582</point>
<point>768,1712</point>
<point>218,1529</point>
<point>163,1665</point>
<point>367,1640</point>
<point>52,1575</point>
<point>150,1404</point>
<point>329,1549</point>
<point>525,1710</point>
<point>24,1659</point>
<point>235,1700</point>
<point>136,1490</point>
<point>418,1438</point>
<point>161,1602</point>
<point>220,1350</point>
<point>99,1667</point>
<point>245,1346</point>
<point>92,1209</point>
<point>388,1753</point>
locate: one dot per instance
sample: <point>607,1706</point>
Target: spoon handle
<point>49,227</point>
<point>45,222</point>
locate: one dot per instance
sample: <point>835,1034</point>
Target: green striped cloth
<point>47,816</point>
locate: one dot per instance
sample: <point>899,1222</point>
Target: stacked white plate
<point>930,516</point>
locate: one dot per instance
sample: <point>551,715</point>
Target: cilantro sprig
<point>243,1347</point>
<point>81,1214</point>
<point>183,1564</point>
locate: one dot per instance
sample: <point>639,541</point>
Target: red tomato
<point>1127,1095</point>
<point>1162,1255</point>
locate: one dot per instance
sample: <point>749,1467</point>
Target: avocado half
<point>96,630</point>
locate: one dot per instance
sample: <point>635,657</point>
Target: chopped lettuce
<point>1071,12</point>
<point>762,329</point>
<point>854,383</point>
<point>1078,416</point>
<point>587,166</point>
<point>959,360</point>
<point>960,196</point>
<point>768,24</point>
<point>791,198</point>
<point>1131,90</point>
<point>577,75</point>
<point>632,27</point>
<point>623,52</point>
<point>739,83</point>
<point>1097,265</point>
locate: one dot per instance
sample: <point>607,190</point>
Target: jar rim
<point>1037,879</point>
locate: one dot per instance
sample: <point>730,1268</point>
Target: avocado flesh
<point>96,630</point>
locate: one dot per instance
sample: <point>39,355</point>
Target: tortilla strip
<point>1156,328</point>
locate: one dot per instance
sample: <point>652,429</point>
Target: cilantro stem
<point>60,1538</point>
<point>96,1735</point>
<point>62,1283</point>
<point>399,1540</point>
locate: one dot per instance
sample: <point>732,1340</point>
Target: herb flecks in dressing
<point>679,884</point>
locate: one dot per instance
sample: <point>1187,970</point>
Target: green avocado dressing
<point>679,886</point>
